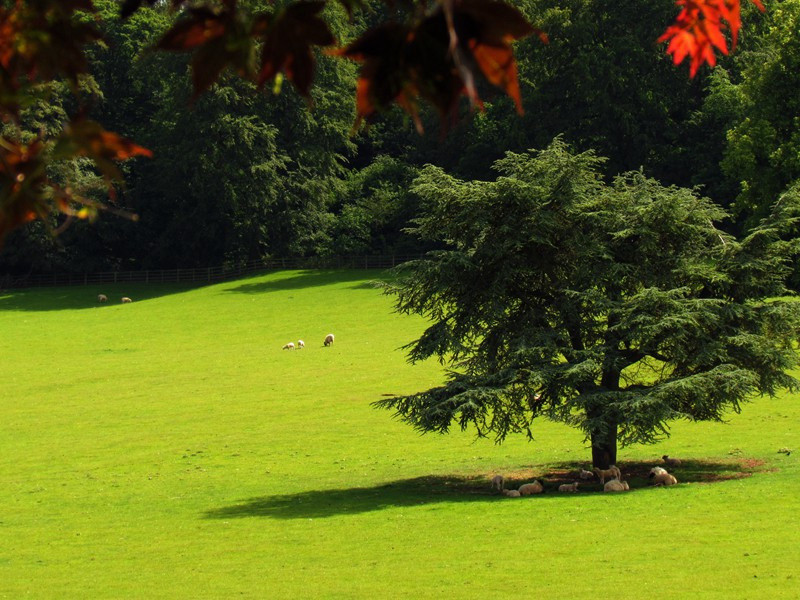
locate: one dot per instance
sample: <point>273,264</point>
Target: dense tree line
<point>240,175</point>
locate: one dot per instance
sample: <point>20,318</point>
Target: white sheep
<point>512,493</point>
<point>102,298</point>
<point>126,300</point>
<point>659,476</point>
<point>615,485</point>
<point>612,472</point>
<point>289,346</point>
<point>584,474</point>
<point>498,483</point>
<point>673,462</point>
<point>569,487</point>
<point>301,344</point>
<point>328,339</point>
<point>527,489</point>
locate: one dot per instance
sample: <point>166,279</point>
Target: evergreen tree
<point>612,308</point>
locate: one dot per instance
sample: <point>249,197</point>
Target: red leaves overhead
<point>439,58</point>
<point>225,38</point>
<point>219,38</point>
<point>489,27</point>
<point>40,40</point>
<point>89,139</point>
<point>288,37</point>
<point>699,28</point>
<point>23,189</point>
<point>26,190</point>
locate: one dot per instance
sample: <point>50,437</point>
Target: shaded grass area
<point>85,297</point>
<point>434,489</point>
<point>302,280</point>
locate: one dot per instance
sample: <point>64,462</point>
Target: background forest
<point>239,174</point>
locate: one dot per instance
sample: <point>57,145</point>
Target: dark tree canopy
<point>613,308</point>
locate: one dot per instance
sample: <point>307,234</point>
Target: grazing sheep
<point>527,489</point>
<point>673,462</point>
<point>498,483</point>
<point>328,339</point>
<point>615,485</point>
<point>301,344</point>
<point>586,474</point>
<point>569,487</point>
<point>659,476</point>
<point>126,300</point>
<point>289,346</point>
<point>102,298</point>
<point>512,493</point>
<point>612,472</point>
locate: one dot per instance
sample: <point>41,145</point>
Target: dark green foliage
<point>373,210</point>
<point>763,150</point>
<point>613,308</point>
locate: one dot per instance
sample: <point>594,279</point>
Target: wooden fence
<point>203,275</point>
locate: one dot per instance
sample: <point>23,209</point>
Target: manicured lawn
<point>169,448</point>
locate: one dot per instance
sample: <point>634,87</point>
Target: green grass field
<point>169,448</point>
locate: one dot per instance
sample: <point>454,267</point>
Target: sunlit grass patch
<point>169,448</point>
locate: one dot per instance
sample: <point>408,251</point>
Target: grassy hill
<point>169,448</point>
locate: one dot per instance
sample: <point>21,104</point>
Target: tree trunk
<point>604,448</point>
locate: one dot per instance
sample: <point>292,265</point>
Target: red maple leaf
<point>90,139</point>
<point>700,27</point>
<point>219,39</point>
<point>488,28</point>
<point>288,37</point>
<point>439,58</point>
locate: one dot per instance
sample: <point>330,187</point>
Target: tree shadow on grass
<point>318,504</point>
<point>307,279</point>
<point>80,297</point>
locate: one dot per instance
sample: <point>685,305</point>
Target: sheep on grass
<point>102,298</point>
<point>612,472</point>
<point>289,346</point>
<point>512,493</point>
<point>584,474</point>
<point>659,476</point>
<point>615,485</point>
<point>328,339</point>
<point>673,462</point>
<point>301,344</point>
<point>126,300</point>
<point>527,489</point>
<point>498,483</point>
<point>568,487</point>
